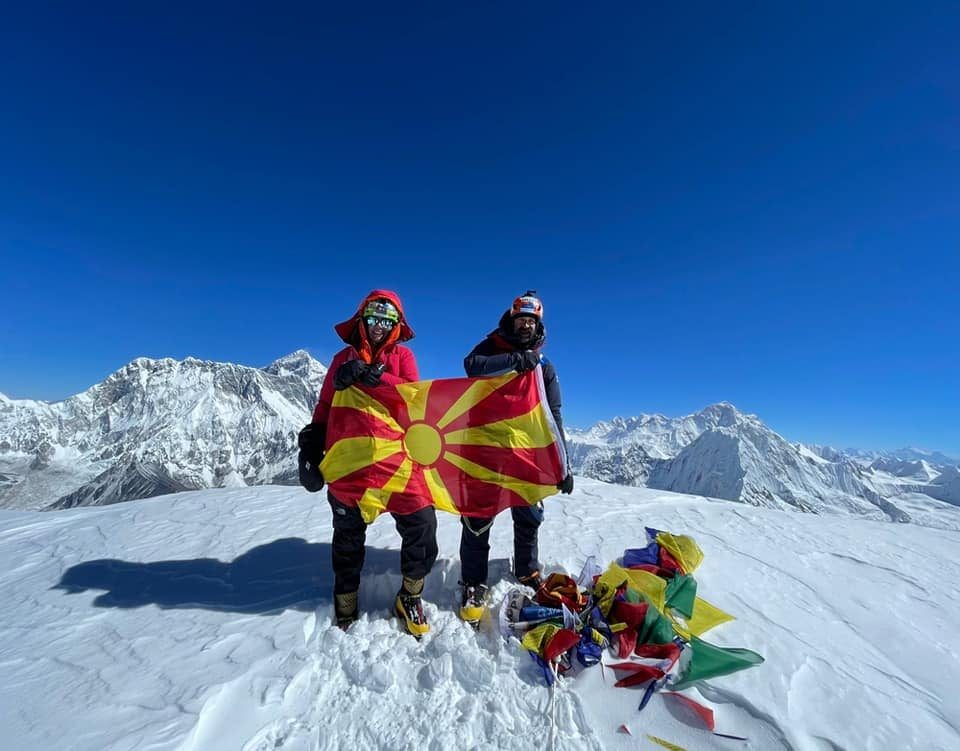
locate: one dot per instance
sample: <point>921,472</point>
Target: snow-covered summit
<point>751,463</point>
<point>661,436</point>
<point>918,469</point>
<point>301,364</point>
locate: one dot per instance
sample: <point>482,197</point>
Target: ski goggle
<point>384,323</point>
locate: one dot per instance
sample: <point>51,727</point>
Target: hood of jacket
<point>353,333</point>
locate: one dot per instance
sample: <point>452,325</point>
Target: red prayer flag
<point>704,713</point>
<point>639,674</point>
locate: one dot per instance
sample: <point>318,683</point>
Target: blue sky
<point>757,203</point>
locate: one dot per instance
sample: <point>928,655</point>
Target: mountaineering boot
<point>346,609</point>
<point>410,609</point>
<point>473,603</point>
<point>531,580</point>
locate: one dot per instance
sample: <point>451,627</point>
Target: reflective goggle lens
<point>384,323</point>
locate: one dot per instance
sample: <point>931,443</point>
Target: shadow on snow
<point>286,573</point>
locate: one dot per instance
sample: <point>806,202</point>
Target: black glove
<point>526,360</point>
<point>348,374</point>
<point>371,376</point>
<point>311,440</point>
<point>566,486</point>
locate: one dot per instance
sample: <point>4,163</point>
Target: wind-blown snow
<point>202,620</point>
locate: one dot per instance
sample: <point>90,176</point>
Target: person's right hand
<point>311,442</point>
<point>311,478</point>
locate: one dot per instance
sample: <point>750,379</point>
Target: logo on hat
<point>527,305</point>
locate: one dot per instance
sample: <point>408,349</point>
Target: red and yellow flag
<point>471,446</point>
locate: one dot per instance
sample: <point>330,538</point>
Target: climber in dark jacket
<point>515,344</point>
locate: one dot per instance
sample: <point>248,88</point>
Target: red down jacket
<point>400,366</point>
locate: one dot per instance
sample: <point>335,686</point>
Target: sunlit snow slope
<point>201,621</point>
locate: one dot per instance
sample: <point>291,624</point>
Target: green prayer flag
<point>709,661</point>
<point>681,594</point>
<point>656,627</point>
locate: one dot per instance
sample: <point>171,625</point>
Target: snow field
<point>203,621</point>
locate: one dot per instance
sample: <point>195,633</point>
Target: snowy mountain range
<point>155,427</point>
<point>907,454</point>
<point>723,453</point>
<point>163,426</point>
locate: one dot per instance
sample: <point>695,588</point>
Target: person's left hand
<point>371,376</point>
<point>527,360</point>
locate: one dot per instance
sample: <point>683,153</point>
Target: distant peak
<point>299,362</point>
<point>723,407</point>
<point>299,355</point>
<point>914,451</point>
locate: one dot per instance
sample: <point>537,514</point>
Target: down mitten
<point>371,376</point>
<point>348,374</point>
<point>311,441</point>
<point>526,360</point>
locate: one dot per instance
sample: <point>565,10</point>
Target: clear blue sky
<point>757,203</point>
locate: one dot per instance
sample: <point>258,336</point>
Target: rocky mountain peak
<point>299,364</point>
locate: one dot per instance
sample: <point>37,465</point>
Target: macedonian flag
<point>472,446</point>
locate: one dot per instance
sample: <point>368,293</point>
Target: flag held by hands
<point>472,446</point>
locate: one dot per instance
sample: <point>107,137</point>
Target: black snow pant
<point>475,544</point>
<point>418,547</point>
